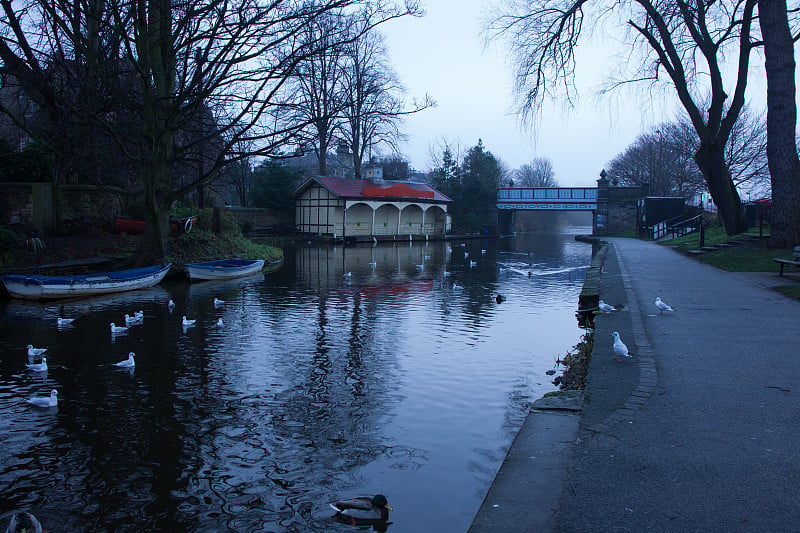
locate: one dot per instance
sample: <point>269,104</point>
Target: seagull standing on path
<point>605,308</point>
<point>662,306</point>
<point>619,347</point>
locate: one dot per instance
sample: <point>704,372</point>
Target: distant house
<point>366,209</point>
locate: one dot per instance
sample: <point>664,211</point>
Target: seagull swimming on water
<point>662,306</point>
<point>218,302</point>
<point>132,320</point>
<point>64,321</point>
<point>117,329</point>
<point>127,363</point>
<point>605,308</point>
<point>619,347</point>
<point>219,323</point>
<point>187,323</point>
<point>35,352</point>
<point>171,306</point>
<point>38,367</point>
<point>47,401</point>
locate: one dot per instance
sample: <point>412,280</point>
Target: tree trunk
<point>784,165</point>
<point>710,159</point>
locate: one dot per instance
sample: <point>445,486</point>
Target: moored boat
<point>223,269</point>
<point>36,287</point>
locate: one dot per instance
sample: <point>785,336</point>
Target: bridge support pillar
<point>505,221</point>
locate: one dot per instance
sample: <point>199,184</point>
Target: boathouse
<point>358,209</point>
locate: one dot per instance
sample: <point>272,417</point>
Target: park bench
<point>795,261</point>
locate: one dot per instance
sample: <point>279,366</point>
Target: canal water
<point>350,370</point>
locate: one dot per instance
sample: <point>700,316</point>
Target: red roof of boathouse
<point>366,189</point>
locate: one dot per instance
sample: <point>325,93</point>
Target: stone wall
<point>77,202</point>
<point>16,204</point>
<point>616,207</point>
<point>258,218</point>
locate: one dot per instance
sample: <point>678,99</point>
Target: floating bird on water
<point>47,401</point>
<point>457,287</point>
<point>38,367</point>
<point>127,363</point>
<point>218,302</point>
<point>117,329</point>
<point>373,264</point>
<point>619,347</point>
<point>171,306</point>
<point>139,314</point>
<point>35,352</point>
<point>187,323</point>
<point>24,522</point>
<point>472,264</point>
<point>605,308</point>
<point>132,320</point>
<point>347,275</point>
<point>499,298</point>
<point>219,323</point>
<point>662,306</point>
<point>64,321</point>
<point>362,511</point>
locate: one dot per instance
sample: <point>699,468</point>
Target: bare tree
<point>538,173</point>
<point>685,39</point>
<point>784,165</point>
<point>169,63</point>
<point>373,105</point>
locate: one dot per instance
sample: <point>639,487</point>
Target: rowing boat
<point>36,287</point>
<point>223,269</point>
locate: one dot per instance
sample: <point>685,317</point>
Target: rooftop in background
<point>376,189</point>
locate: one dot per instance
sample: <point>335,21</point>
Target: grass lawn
<point>754,255</point>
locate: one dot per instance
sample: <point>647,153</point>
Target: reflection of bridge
<point>547,198</point>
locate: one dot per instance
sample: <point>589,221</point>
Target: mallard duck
<point>362,510</point>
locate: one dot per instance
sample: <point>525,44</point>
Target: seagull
<point>347,275</point>
<point>445,273</point>
<point>139,315</point>
<point>219,323</point>
<point>462,244</point>
<point>420,267</point>
<point>483,252</point>
<point>218,302</point>
<point>187,323</point>
<point>373,264</point>
<point>127,363</point>
<point>132,320</point>
<point>457,287</point>
<point>64,321</point>
<point>38,367</point>
<point>605,308</point>
<point>117,329</point>
<point>171,306</point>
<point>472,264</point>
<point>35,352</point>
<point>662,306</point>
<point>619,347</point>
<point>47,401</point>
<point>466,255</point>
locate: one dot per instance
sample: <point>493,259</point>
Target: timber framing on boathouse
<point>354,209</point>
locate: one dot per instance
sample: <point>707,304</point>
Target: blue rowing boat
<point>36,287</point>
<point>223,269</point>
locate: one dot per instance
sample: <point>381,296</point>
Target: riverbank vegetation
<point>576,364</point>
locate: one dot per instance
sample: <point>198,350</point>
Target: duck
<point>38,367</point>
<point>500,298</point>
<point>117,329</point>
<point>47,401</point>
<point>362,510</point>
<point>188,323</point>
<point>127,363</point>
<point>35,352</point>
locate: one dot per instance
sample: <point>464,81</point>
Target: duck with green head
<point>362,510</point>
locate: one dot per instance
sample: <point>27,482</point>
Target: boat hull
<point>223,269</point>
<point>34,287</point>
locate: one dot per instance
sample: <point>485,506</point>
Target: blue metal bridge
<point>547,198</point>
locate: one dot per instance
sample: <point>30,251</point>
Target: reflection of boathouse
<point>363,209</point>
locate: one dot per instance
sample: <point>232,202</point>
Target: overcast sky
<point>443,55</point>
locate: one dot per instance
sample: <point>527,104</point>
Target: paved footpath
<point>701,430</point>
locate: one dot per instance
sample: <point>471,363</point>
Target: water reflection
<point>316,387</point>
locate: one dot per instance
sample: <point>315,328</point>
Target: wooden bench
<point>795,261</point>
